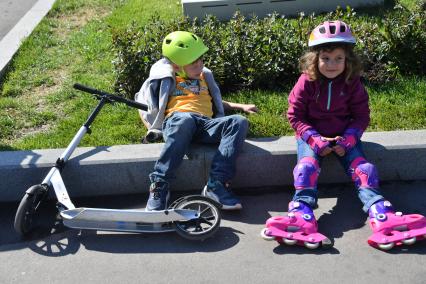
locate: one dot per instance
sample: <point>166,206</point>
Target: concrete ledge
<point>398,155</point>
<point>225,9</point>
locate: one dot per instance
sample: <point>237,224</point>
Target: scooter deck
<point>129,220</point>
<point>120,226</point>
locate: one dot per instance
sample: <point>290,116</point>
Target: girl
<point>328,109</point>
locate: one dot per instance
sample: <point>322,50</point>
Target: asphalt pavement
<point>236,254</point>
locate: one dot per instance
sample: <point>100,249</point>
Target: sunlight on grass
<point>39,108</point>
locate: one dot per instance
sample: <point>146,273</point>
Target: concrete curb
<point>11,42</point>
<point>91,171</point>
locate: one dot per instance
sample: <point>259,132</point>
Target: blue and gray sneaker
<point>221,193</point>
<point>158,196</point>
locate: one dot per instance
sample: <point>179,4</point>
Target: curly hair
<point>308,63</point>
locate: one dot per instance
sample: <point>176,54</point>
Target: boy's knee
<point>240,120</point>
<point>182,119</point>
<point>180,123</point>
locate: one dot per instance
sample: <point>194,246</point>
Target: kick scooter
<point>192,217</point>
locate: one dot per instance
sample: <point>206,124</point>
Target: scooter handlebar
<point>110,96</point>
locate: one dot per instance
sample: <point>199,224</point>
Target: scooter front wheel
<point>205,225</point>
<point>27,209</point>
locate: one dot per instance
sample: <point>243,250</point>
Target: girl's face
<point>193,70</point>
<point>331,63</point>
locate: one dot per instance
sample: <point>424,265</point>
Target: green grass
<point>399,106</point>
<point>394,106</point>
<point>39,108</point>
<point>410,4</point>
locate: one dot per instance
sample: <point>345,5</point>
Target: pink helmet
<point>331,31</point>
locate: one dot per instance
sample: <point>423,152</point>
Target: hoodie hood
<point>161,69</point>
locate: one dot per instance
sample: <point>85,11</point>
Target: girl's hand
<point>326,151</point>
<point>339,150</point>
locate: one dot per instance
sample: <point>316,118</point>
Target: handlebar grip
<point>130,103</point>
<point>110,96</point>
<point>87,89</point>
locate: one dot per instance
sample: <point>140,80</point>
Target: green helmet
<point>183,48</point>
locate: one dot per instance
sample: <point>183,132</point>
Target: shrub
<point>263,53</point>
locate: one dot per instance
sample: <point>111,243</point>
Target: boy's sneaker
<point>221,193</point>
<point>158,196</point>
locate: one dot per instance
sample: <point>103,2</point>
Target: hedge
<point>252,53</point>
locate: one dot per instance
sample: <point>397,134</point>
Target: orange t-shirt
<point>190,95</point>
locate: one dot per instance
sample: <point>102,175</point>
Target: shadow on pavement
<point>53,239</point>
<point>70,241</point>
<point>285,249</point>
<point>344,216</point>
<point>339,212</point>
<point>347,213</point>
<point>258,203</point>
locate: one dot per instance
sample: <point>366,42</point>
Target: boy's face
<point>331,63</point>
<point>193,70</point>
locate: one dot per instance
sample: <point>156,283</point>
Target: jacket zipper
<point>329,95</point>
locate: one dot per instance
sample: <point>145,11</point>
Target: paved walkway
<point>18,18</point>
<point>236,254</point>
<point>11,11</point>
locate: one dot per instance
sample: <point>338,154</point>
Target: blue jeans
<point>182,128</point>
<point>368,196</point>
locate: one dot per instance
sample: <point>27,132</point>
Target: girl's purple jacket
<point>328,106</point>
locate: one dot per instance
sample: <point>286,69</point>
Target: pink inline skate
<point>298,227</point>
<point>392,228</point>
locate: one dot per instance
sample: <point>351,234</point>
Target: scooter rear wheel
<point>205,225</point>
<point>27,209</point>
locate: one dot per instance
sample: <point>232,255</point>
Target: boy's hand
<point>247,108</point>
<point>250,108</point>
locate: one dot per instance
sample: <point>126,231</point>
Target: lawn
<point>39,108</point>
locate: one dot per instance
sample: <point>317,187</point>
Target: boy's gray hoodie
<point>160,84</point>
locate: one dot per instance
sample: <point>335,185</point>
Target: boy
<point>185,105</point>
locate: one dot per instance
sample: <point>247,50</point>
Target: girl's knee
<point>363,173</point>
<point>306,173</point>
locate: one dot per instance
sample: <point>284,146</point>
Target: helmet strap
<point>181,73</point>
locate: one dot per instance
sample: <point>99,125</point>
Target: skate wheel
<point>387,246</point>
<point>265,236</point>
<point>310,245</point>
<point>409,241</point>
<point>326,243</point>
<point>289,242</point>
